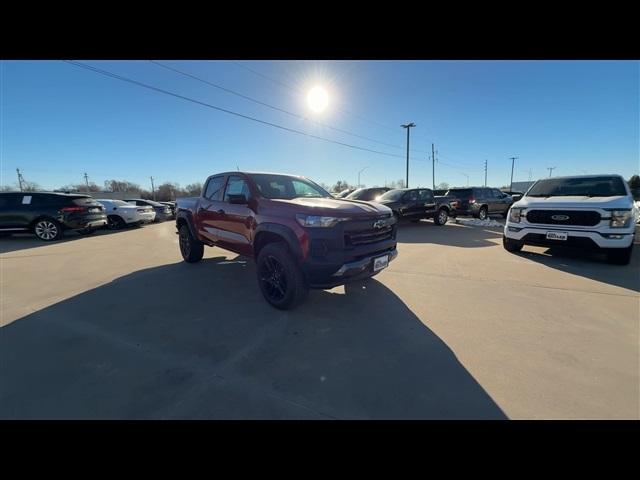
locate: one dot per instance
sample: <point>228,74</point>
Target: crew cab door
<point>210,208</point>
<point>428,202</point>
<point>411,205</point>
<point>236,219</point>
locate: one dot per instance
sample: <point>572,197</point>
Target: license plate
<point>557,235</point>
<point>380,263</point>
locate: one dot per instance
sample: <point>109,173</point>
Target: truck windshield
<point>578,186</point>
<point>392,195</point>
<point>287,188</point>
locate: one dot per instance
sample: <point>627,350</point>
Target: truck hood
<point>621,202</point>
<point>334,206</point>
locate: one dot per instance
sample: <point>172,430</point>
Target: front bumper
<point>587,239</point>
<point>329,276</point>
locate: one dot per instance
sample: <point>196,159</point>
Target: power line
<point>230,112</point>
<point>282,110</point>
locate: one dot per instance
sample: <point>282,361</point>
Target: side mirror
<point>238,199</point>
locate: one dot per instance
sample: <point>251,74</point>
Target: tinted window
<point>236,186</point>
<point>214,188</point>
<point>460,193</point>
<point>425,195</point>
<point>48,200</point>
<point>9,200</point>
<point>410,196</point>
<point>585,186</point>
<point>497,193</point>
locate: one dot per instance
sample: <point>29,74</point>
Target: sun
<point>317,99</point>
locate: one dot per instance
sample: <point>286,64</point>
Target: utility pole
<point>485,173</point>
<point>513,160</point>
<point>359,175</point>
<point>529,174</point>
<point>550,169</point>
<point>86,180</point>
<point>433,167</point>
<point>19,178</point>
<point>408,126</point>
<point>153,191</point>
<point>467,178</point>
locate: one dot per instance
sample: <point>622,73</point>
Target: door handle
<point>221,212</point>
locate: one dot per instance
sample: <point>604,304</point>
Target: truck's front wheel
<point>191,249</point>
<point>620,256</point>
<point>280,279</point>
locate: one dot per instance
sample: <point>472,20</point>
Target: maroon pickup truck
<point>300,236</point>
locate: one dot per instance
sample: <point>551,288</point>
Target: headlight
<point>317,221</point>
<point>620,218</point>
<point>515,214</point>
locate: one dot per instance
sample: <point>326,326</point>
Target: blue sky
<point>59,121</point>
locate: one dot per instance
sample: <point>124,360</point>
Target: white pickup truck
<point>591,211</point>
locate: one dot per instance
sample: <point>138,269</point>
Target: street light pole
<point>408,126</point>
<point>359,175</point>
<point>513,160</point>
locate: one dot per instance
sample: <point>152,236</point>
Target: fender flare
<point>186,217</point>
<point>283,231</point>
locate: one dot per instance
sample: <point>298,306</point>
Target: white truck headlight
<point>620,218</point>
<point>515,214</point>
<point>317,221</point>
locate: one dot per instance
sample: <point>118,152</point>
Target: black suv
<point>416,203</point>
<point>479,202</point>
<point>47,215</point>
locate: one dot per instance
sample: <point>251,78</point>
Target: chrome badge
<point>379,224</point>
<point>560,217</point>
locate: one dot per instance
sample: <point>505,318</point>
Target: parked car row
<point>49,214</point>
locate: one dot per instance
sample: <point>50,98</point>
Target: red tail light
<point>72,209</point>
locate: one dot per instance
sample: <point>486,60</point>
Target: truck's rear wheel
<point>441,217</point>
<point>620,256</point>
<point>280,279</point>
<point>191,249</point>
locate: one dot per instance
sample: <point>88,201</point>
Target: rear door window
<point>214,189</point>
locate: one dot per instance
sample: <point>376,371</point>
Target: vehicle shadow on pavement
<point>449,234</point>
<point>198,341</point>
<point>24,241</point>
<point>590,265</point>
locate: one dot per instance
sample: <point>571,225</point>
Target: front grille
<point>574,217</point>
<point>366,237</point>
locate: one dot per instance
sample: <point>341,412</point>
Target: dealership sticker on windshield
<point>26,200</point>
<point>557,235</point>
<point>380,263</point>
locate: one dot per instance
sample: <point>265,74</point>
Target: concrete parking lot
<point>116,326</point>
